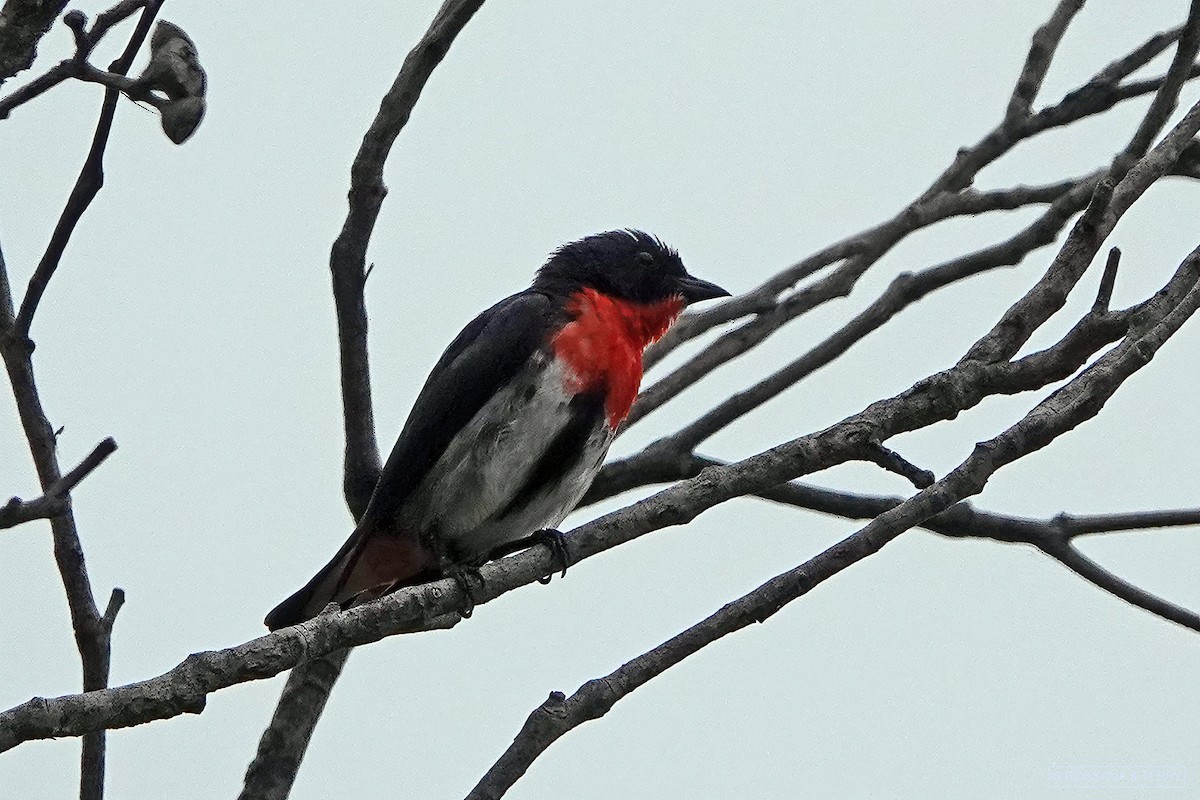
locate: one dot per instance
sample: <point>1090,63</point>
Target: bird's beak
<point>694,289</point>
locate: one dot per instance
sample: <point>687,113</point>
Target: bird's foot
<point>553,539</point>
<point>556,541</point>
<point>464,575</point>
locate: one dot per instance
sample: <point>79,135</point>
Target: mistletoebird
<point>514,421</point>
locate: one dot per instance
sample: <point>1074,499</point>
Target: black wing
<point>485,356</point>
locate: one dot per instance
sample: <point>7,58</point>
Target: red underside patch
<point>603,345</point>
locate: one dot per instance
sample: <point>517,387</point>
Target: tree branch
<point>904,291</point>
<point>1069,556</point>
<point>1065,409</point>
<point>92,630</point>
<point>89,183</point>
<point>436,605</point>
<point>1099,94</point>
<point>73,67</point>
<point>281,748</point>
<point>1041,52</point>
<point>55,500</point>
<point>942,200</point>
<point>347,260</point>
<point>283,744</point>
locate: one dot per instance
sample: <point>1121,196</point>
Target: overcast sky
<point>191,319</point>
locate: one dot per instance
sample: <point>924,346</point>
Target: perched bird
<point>514,421</point>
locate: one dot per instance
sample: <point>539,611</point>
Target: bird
<point>513,422</point>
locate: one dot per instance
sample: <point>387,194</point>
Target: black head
<point>628,264</point>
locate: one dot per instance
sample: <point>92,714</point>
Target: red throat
<point>603,343</point>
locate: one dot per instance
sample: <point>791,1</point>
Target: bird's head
<point>626,264</point>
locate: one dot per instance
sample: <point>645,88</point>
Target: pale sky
<point>192,320</point>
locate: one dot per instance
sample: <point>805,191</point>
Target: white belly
<point>465,503</point>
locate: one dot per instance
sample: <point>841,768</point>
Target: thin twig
<point>89,182</point>
<point>55,500</point>
<point>904,291</point>
<point>1167,97</point>
<point>1069,556</point>
<point>7,313</point>
<point>892,461</point>
<point>73,67</point>
<point>1045,41</point>
<point>1098,95</point>
<point>1108,281</point>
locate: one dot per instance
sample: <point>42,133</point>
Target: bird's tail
<point>369,559</point>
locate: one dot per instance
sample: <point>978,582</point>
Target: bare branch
<point>929,208</point>
<point>436,604</point>
<point>1037,63</point>
<point>1108,281</point>
<point>87,186</point>
<point>1070,557</point>
<point>963,521</point>
<point>6,300</point>
<point>183,689</point>
<point>1126,65</point>
<point>1078,401</point>
<point>959,521</point>
<point>72,67</point>
<point>904,291</point>
<point>285,740</point>
<point>1167,96</point>
<point>91,637</point>
<point>122,83</point>
<point>56,499</point>
<point>854,250</point>
<point>1108,204</point>
<point>92,631</point>
<point>1101,93</point>
<point>348,258</point>
<point>1052,536</point>
<point>892,461</point>
<point>115,601</point>
<point>283,743</point>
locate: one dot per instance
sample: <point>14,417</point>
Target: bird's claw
<point>556,541</point>
<point>463,575</point>
<point>553,539</point>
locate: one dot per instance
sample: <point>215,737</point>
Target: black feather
<point>481,360</point>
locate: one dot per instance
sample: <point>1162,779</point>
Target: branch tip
<point>76,20</point>
<point>892,461</point>
<point>115,601</point>
<point>1107,281</point>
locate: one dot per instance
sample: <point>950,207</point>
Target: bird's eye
<point>645,258</point>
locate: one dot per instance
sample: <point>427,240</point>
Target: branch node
<point>1099,203</point>
<point>1062,523</point>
